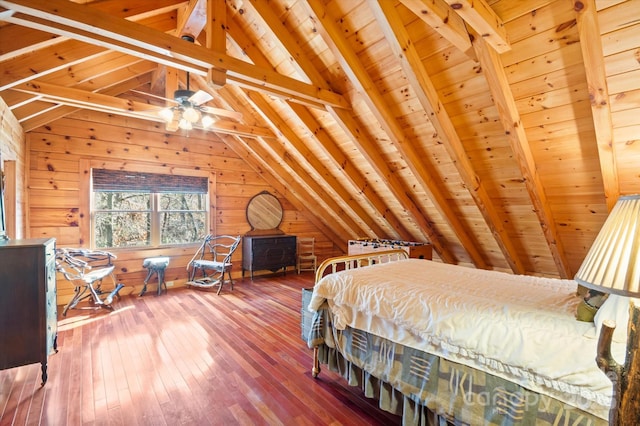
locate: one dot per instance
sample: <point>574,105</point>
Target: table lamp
<point>612,266</point>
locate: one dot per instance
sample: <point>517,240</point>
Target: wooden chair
<point>307,258</point>
<point>212,261</point>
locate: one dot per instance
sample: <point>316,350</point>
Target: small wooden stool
<point>155,265</point>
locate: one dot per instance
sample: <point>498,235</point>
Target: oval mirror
<point>264,211</point>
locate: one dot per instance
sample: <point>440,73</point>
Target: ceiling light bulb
<point>191,114</point>
<point>185,124</point>
<point>166,114</point>
<point>207,121</point>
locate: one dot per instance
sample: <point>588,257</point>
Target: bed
<point>435,342</point>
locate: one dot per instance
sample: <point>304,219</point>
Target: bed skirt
<point>428,390</point>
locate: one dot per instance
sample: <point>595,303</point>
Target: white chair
<point>307,258</point>
<point>86,269</point>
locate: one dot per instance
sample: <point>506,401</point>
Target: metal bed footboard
<point>341,263</point>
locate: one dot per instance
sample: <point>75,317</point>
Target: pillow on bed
<point>614,308</point>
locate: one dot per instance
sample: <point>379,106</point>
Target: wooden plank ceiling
<point>500,131</point>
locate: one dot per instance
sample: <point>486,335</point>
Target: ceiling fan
<point>189,109</point>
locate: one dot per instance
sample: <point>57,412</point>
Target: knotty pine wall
<point>12,163</point>
<point>62,153</point>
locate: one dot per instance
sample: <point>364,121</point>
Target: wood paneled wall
<point>12,162</point>
<point>62,154</point>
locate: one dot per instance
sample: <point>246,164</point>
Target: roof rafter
<point>439,16</point>
<point>510,117</point>
<point>89,25</point>
<point>351,173</point>
<point>592,54</point>
<point>307,69</point>
<point>105,103</point>
<point>419,80</point>
<point>277,177</point>
<point>479,15</point>
<point>420,167</point>
<point>281,155</point>
<point>292,139</point>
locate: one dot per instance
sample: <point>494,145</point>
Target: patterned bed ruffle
<point>426,389</point>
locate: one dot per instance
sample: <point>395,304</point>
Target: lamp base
<point>625,409</point>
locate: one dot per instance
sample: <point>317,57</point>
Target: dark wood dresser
<point>28,305</point>
<point>268,252</point>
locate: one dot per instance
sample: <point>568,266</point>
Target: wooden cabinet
<point>415,250</point>
<point>268,252</point>
<point>28,311</point>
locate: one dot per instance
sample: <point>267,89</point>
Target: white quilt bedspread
<point>522,328</point>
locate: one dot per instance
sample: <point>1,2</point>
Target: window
<point>147,210</point>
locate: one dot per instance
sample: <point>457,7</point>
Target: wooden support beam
<point>479,15</point>
<point>422,170</point>
<point>290,137</point>
<point>277,176</point>
<point>306,68</point>
<point>439,16</point>
<point>99,102</point>
<point>216,24</point>
<point>405,51</point>
<point>86,24</point>
<point>510,118</point>
<point>591,46</point>
<point>351,174</point>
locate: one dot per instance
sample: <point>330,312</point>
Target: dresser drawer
<point>268,252</point>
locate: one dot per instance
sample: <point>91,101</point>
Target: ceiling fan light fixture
<point>191,114</point>
<point>185,124</point>
<point>166,114</point>
<point>207,121</point>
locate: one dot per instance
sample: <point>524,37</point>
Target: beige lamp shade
<point>613,262</point>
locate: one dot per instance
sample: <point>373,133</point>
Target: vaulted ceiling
<point>500,131</point>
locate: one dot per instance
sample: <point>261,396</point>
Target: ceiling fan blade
<point>200,97</point>
<point>154,96</point>
<point>223,112</point>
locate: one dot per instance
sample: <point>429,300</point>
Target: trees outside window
<point>143,210</point>
<point>129,219</point>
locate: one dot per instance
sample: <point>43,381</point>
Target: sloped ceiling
<point>500,131</point>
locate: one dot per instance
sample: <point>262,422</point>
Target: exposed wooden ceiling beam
<point>216,25</point>
<point>417,76</point>
<point>279,178</point>
<point>306,69</point>
<point>41,63</point>
<point>83,23</point>
<point>510,117</point>
<point>592,54</point>
<point>439,16</point>
<point>99,102</point>
<point>481,17</point>
<point>420,167</point>
<point>351,174</point>
<point>289,137</point>
<point>17,40</point>
<point>125,77</point>
<point>192,18</point>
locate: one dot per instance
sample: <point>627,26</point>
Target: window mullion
<point>155,220</point>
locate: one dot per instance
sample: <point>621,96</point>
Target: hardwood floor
<point>188,357</point>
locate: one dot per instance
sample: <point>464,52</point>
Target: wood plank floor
<point>188,357</point>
